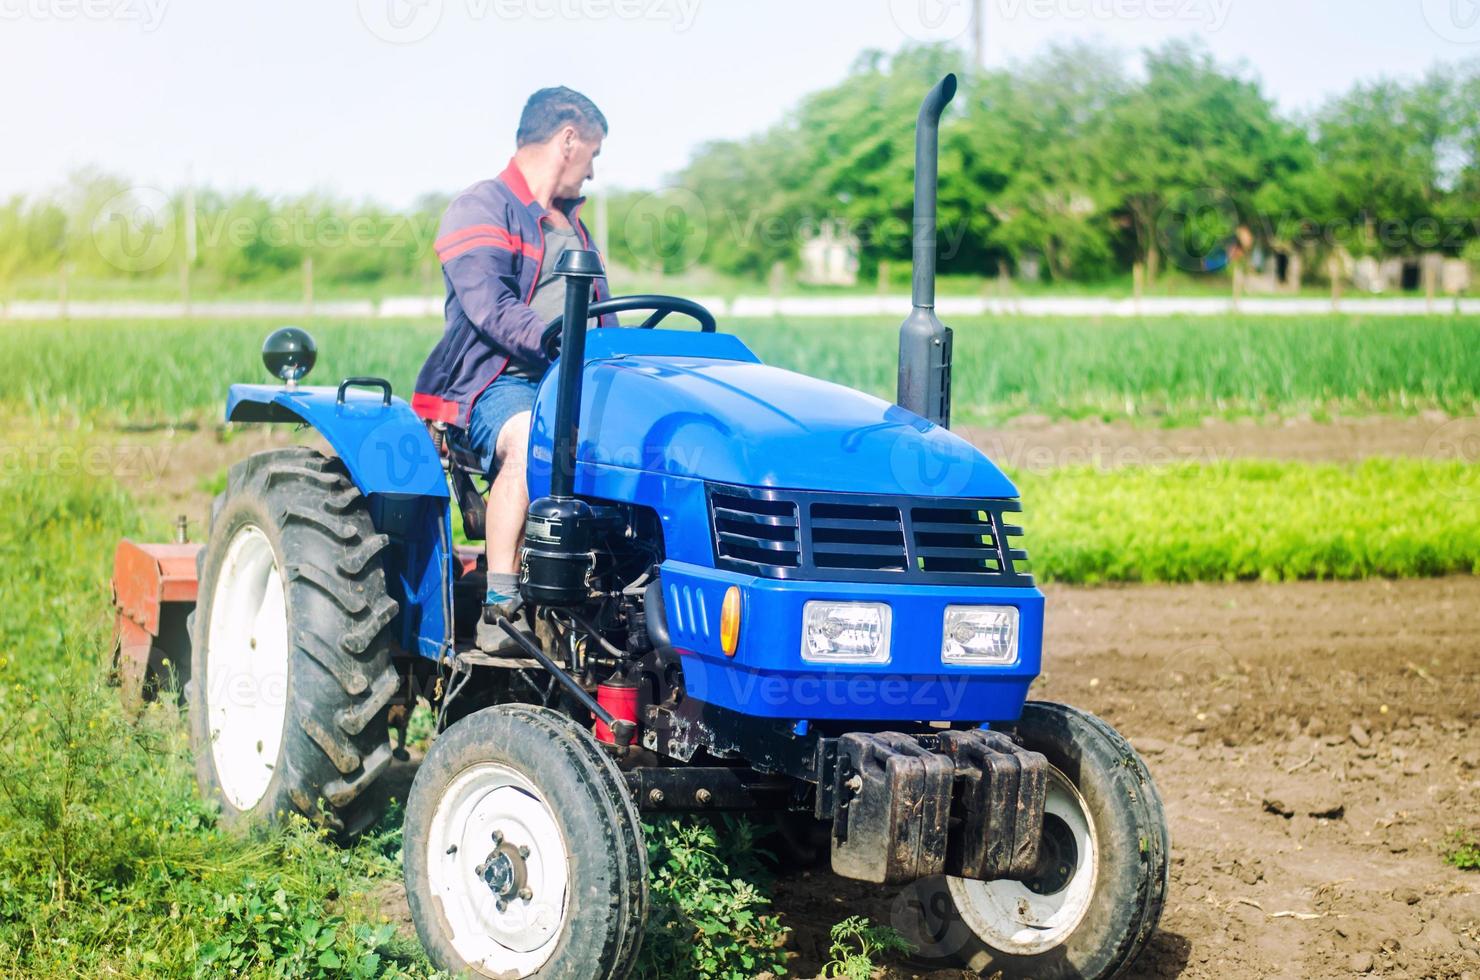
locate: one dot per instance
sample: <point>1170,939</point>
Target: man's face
<point>578,156</point>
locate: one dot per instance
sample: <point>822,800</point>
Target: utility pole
<point>188,261</point>
<point>978,35</point>
<point>189,216</point>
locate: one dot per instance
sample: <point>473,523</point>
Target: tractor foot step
<point>964,803</point>
<point>473,657</point>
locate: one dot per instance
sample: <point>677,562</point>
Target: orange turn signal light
<point>729,621</point>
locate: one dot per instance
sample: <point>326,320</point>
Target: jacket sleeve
<point>480,255</point>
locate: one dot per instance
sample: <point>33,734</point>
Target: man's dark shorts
<point>505,398</point>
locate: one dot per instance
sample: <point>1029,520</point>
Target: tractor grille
<point>848,537</point>
<point>754,531</point>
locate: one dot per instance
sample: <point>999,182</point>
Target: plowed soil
<point>1314,743</point>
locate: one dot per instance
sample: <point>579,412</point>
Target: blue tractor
<point>745,590</point>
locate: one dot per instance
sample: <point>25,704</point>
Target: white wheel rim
<point>1009,917</point>
<point>247,668</point>
<point>488,815</point>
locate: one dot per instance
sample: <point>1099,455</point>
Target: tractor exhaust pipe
<point>925,342</point>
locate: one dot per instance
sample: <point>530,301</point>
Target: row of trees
<point>1078,160</point>
<point>99,227</point>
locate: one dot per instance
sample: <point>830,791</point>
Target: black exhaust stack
<point>559,530</point>
<point>925,342</point>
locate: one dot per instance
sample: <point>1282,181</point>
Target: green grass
<point>110,864</point>
<point>1252,519</point>
<point>1164,370</point>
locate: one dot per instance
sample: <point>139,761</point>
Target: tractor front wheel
<point>291,671</point>
<point>523,852</point>
<point>1097,894</point>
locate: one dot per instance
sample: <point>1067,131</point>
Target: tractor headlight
<point>980,635</point>
<point>845,632</point>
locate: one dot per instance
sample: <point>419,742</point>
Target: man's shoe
<point>492,639</point>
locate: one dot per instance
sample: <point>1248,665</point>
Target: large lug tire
<point>1102,877</point>
<point>291,670</point>
<point>523,851</point>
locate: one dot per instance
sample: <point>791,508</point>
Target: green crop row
<point>1171,369</point>
<point>1252,519</point>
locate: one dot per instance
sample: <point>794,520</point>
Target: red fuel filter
<point>619,696</point>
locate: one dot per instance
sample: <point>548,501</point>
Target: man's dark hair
<point>550,109</point>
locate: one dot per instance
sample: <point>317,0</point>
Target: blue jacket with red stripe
<point>490,243</point>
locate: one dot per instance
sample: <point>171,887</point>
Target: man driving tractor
<point>499,244</point>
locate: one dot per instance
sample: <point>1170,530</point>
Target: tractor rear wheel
<point>291,671</point>
<point>523,851</point>
<point>1102,877</point>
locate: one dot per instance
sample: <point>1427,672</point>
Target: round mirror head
<point>289,353</point>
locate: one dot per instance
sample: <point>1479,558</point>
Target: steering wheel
<point>660,305</point>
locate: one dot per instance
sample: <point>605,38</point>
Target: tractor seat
<point>465,467</point>
<point>460,457</point>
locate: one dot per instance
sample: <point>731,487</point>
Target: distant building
<point>1274,269</point>
<point>1410,274</point>
<point>830,258</point>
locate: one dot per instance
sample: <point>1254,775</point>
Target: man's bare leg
<point>508,498</point>
<point>508,502</point>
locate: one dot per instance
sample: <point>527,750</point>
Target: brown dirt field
<point>1359,698</point>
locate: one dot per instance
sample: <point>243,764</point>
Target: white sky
<point>308,95</point>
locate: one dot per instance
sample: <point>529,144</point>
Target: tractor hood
<point>703,406</point>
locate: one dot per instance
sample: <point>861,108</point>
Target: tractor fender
<point>384,445</point>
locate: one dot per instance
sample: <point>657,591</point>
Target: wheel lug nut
<point>503,906</point>
<point>523,851</point>
<point>525,894</point>
<point>498,836</point>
